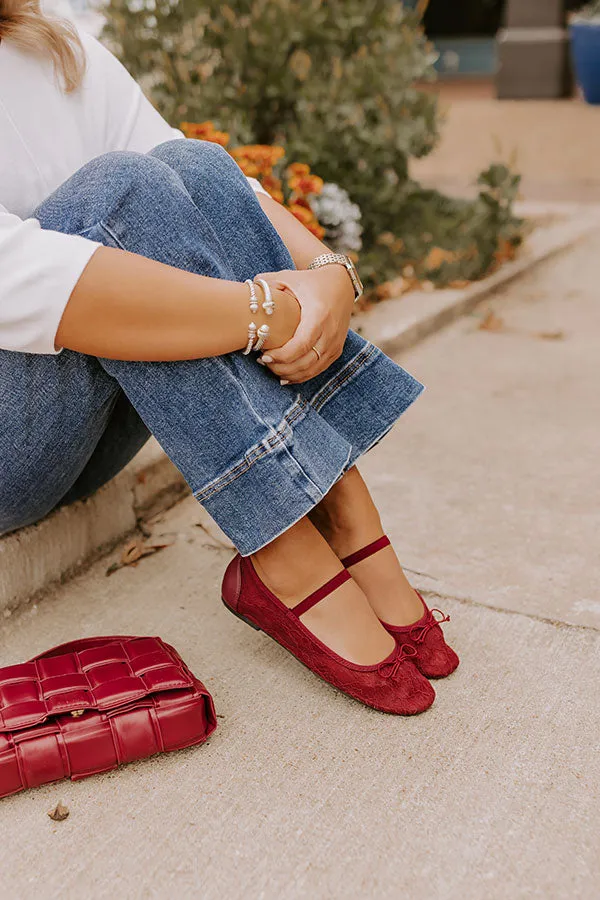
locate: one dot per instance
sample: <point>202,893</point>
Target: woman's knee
<point>120,171</point>
<point>204,167</point>
<point>199,156</point>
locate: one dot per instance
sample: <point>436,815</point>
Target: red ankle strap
<point>322,592</point>
<point>369,550</point>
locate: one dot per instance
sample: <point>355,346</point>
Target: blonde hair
<point>24,24</point>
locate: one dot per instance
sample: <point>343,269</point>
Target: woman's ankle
<point>296,563</point>
<point>347,518</point>
<point>382,580</point>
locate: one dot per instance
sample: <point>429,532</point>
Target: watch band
<point>328,259</point>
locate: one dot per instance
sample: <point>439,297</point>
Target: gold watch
<point>328,259</point>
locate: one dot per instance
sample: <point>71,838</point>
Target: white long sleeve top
<point>45,136</point>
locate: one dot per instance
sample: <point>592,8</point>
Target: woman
<point>132,301</point>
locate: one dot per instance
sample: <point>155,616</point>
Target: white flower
<point>340,217</point>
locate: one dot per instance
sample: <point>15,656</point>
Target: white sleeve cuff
<point>257,187</point>
<point>38,271</point>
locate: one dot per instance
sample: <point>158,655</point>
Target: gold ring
<point>317,352</point>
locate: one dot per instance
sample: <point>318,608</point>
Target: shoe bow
<point>418,633</point>
<point>392,667</point>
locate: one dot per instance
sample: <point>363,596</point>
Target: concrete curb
<point>35,558</point>
<point>397,324</point>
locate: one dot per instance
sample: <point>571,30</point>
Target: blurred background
<point>426,124</point>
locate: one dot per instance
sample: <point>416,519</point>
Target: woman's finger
<point>305,337</point>
<point>307,367</point>
<point>309,363</point>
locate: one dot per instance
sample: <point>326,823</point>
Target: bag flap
<point>104,675</point>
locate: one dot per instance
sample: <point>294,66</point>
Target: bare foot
<point>298,563</point>
<point>386,587</point>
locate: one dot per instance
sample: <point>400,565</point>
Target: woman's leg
<point>347,516</point>
<point>258,456</point>
<point>54,411</point>
<point>348,520</point>
<point>124,435</point>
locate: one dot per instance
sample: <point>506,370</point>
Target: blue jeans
<point>257,456</point>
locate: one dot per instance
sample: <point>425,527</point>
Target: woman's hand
<point>326,299</point>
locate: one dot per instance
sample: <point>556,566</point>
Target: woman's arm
<point>326,296</point>
<point>301,243</point>
<point>125,306</point>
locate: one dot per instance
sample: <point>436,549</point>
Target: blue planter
<point>585,46</point>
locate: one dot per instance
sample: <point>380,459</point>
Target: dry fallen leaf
<point>437,256</point>
<point>147,532</point>
<point>492,322</point>
<point>59,813</point>
<point>136,550</point>
<point>214,537</point>
<point>505,252</point>
<point>131,553</point>
<point>551,335</point>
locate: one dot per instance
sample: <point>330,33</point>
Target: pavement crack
<point>545,620</point>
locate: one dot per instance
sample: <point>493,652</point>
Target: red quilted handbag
<point>88,706</point>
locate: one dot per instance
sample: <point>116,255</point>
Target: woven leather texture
<point>89,706</point>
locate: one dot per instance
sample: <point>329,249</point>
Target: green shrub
<point>333,81</point>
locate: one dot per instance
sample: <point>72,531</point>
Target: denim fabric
<point>257,455</point>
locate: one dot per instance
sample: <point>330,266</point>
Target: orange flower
<point>306,184</point>
<point>262,155</point>
<point>204,131</point>
<point>298,169</point>
<point>317,229</point>
<point>271,183</point>
<point>197,129</point>
<point>303,214</point>
<point>302,201</point>
<point>250,169</point>
<point>219,137</point>
<point>273,186</point>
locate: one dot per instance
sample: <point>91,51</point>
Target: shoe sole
<point>438,677</point>
<point>316,674</point>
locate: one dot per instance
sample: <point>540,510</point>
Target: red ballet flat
<point>394,685</point>
<point>434,657</point>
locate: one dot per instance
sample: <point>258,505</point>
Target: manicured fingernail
<point>266,359</point>
<point>260,362</point>
<point>283,381</point>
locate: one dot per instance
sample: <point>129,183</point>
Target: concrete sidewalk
<point>551,143</point>
<point>489,488</point>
